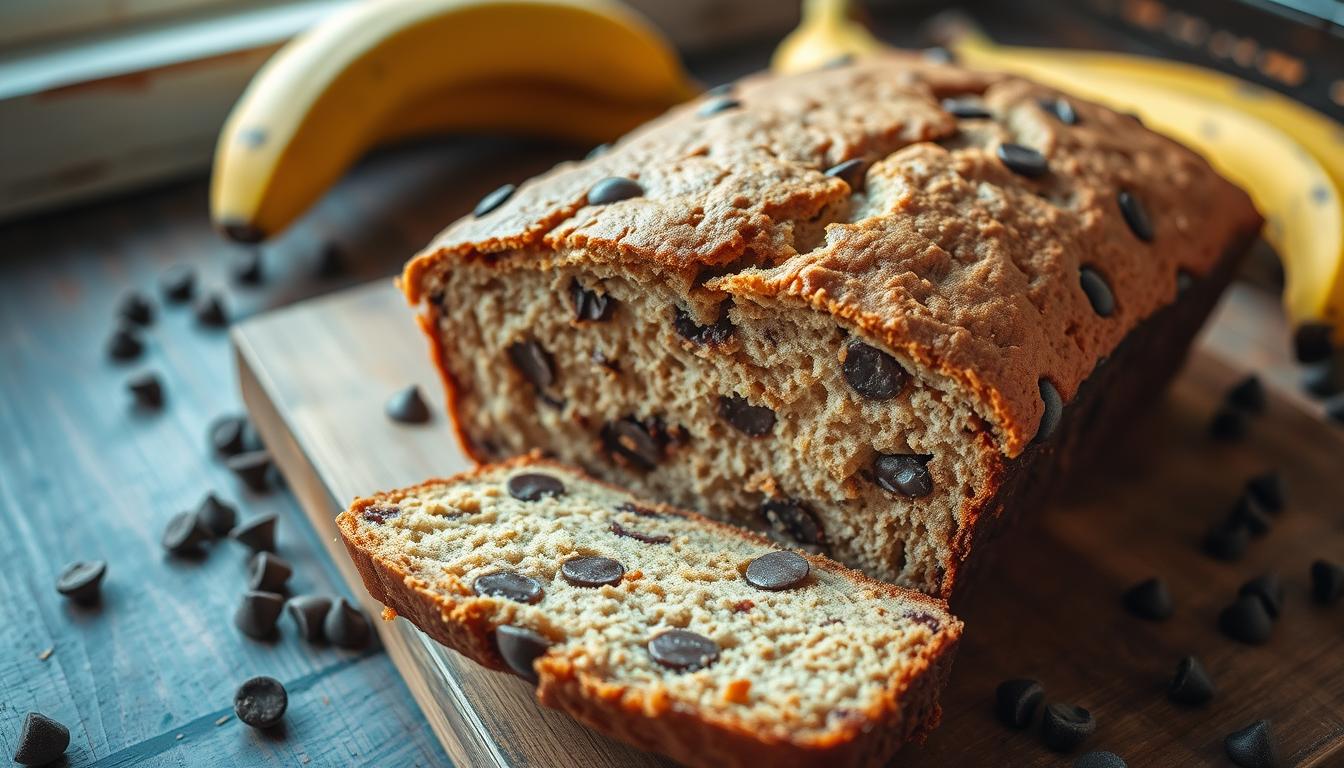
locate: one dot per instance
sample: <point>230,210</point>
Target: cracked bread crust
<point>618,690</point>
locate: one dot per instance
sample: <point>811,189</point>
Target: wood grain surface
<point>316,376</point>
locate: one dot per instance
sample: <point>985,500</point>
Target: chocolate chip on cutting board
<point>229,435</point>
<point>252,468</point>
<point>1228,425</point>
<point>493,200</point>
<point>308,613</point>
<point>257,614</point>
<point>750,420</point>
<point>792,518</point>
<point>1268,589</point>
<point>1248,395</point>
<point>520,647</point>
<point>1253,746</point>
<point>1248,513</point>
<point>210,311</point>
<point>510,585</point>
<point>1327,582</point>
<point>1226,540</point>
<point>1022,160</point>
<point>261,702</point>
<point>184,535</point>
<point>407,406</point>
<point>146,390</point>
<point>1268,490</point>
<point>1015,701</point>
<point>1150,600</point>
<point>533,486</point>
<point>904,473</point>
<point>1191,684</point>
<point>775,571</point>
<point>346,626</point>
<point>1099,759</point>
<point>330,261</point>
<point>247,268</point>
<point>42,740</point>
<point>81,581</point>
<point>592,571</point>
<point>1246,620</point>
<point>136,308</point>
<point>683,650</point>
<point>1066,726</point>
<point>1312,342</point>
<point>125,344</point>
<point>216,517</point>
<point>268,573</point>
<point>258,533</point>
<point>872,373</point>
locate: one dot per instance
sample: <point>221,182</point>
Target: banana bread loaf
<point>656,626</point>
<point>873,309</point>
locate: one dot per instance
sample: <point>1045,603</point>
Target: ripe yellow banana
<point>587,70</point>
<point>827,33</point>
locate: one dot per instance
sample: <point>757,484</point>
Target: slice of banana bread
<point>864,306</point>
<point>657,626</point>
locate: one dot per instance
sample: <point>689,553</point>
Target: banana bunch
<point>383,70</point>
<point>1289,158</point>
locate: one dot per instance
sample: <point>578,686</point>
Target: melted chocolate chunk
<point>531,486</point>
<point>750,420</point>
<point>589,305</point>
<point>792,518</point>
<point>717,333</point>
<point>966,109</point>
<point>852,172</point>
<point>520,647</point>
<point>592,571</point>
<point>872,372</point>
<point>776,571</point>
<point>1098,291</point>
<point>630,533</point>
<point>1061,109</point>
<point>904,473</point>
<point>510,585</point>
<point>633,441</point>
<point>1054,409</point>
<point>533,362</point>
<point>1136,216</point>
<point>1023,160</point>
<point>681,649</point>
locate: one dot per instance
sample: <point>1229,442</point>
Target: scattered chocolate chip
<point>1334,409</point>
<point>1246,620</point>
<point>380,513</point>
<point>257,614</point>
<point>793,519</point>
<point>1098,291</point>
<point>1327,582</point>
<point>531,360</point>
<point>871,372</point>
<point>258,534</point>
<point>136,308</point>
<point>227,435</point>
<point>1268,589</point>
<point>630,533</point>
<point>614,189</point>
<point>330,261</point>
<point>717,333</point>
<point>1190,685</point>
<point>532,486</point>
<point>252,468</point>
<point>210,311</point>
<point>215,517</point>
<point>715,106</point>
<point>852,172</point>
<point>750,420</point>
<point>681,649</point>
<point>1135,216</point>
<point>493,200</point>
<point>1248,512</point>
<point>775,571</point>
<point>1226,540</point>
<point>510,585</point>
<point>1150,600</point>
<point>407,406</point>
<point>41,741</point>
<point>1054,409</point>
<point>1099,759</point>
<point>630,440</point>
<point>178,283</point>
<point>1228,425</point>
<point>904,473</point>
<point>247,268</point>
<point>261,702</point>
<point>1323,378</point>
<point>1015,702</point>
<point>308,613</point>
<point>1066,726</point>
<point>1183,281</point>
<point>124,344</point>
<point>1253,746</point>
<point>520,647</point>
<point>268,573</point>
<point>146,389</point>
<point>1267,489</point>
<point>345,626</point>
<point>1312,342</point>
<point>1022,160</point>
<point>184,535</point>
<point>1247,395</point>
<point>592,571</point>
<point>81,581</point>
<point>590,306</point>
<point>598,151</point>
<point>1062,109</point>
<point>966,109</point>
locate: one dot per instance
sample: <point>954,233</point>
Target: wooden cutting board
<point>315,377</point>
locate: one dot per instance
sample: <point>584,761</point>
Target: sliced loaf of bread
<point>656,626</point>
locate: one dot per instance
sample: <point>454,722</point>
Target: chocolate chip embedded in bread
<point>1015,701</point>
<point>1066,726</point>
<point>717,333</point>
<point>776,571</point>
<point>531,360</point>
<point>81,581</point>
<point>42,740</point>
<point>871,372</point>
<point>1246,620</point>
<point>590,306</point>
<point>1054,409</point>
<point>380,513</point>
<point>520,648</point>
<point>1022,160</point>
<point>750,420</point>
<point>1253,746</point>
<point>1136,216</point>
<point>1190,685</point>
<point>629,440</point>
<point>1098,291</point>
<point>1062,109</point>
<point>493,200</point>
<point>592,571</point>
<point>715,106</point>
<point>852,172</point>
<point>630,533</point>
<point>510,585</point>
<point>635,509</point>
<point>532,486</point>
<point>793,519</point>
<point>682,649</point>
<point>904,473</point>
<point>614,189</point>
<point>261,702</point>
<point>966,109</point>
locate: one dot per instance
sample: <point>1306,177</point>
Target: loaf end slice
<point>772,655</point>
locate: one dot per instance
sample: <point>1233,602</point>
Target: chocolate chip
<point>345,626</point>
<point>1149,600</point>
<point>681,649</point>
<point>1253,746</point>
<point>614,189</point>
<point>590,306</point>
<point>493,200</point>
<point>247,268</point>
<point>531,360</point>
<point>330,261</point>
<point>520,648</point>
<point>1062,109</point>
<point>1268,589</point>
<point>1226,540</point>
<point>268,573</point>
<point>1268,491</point>
<point>252,468</point>
<point>1323,378</point>
<point>1246,620</point>
<point>41,741</point>
<point>227,435</point>
<point>308,612</point>
<point>1183,281</point>
<point>717,333</point>
<point>630,533</point>
<point>598,151</point>
<point>532,486</point>
<point>1247,395</point>
<point>715,106</point>
<point>1066,726</point>
<point>1054,409</point>
<point>81,581</point>
<point>635,509</point>
<point>852,172</point>
<point>261,702</point>
<point>630,440</point>
<point>1228,425</point>
<point>1022,160</point>
<point>1312,342</point>
<point>124,344</point>
<point>871,372</point>
<point>1015,702</point>
<point>407,406</point>
<point>380,513</point>
<point>777,571</point>
<point>510,585</point>
<point>135,308</point>
<point>1334,409</point>
<point>257,614</point>
<point>793,519</point>
<point>1098,291</point>
<point>1327,582</point>
<point>750,420</point>
<point>1135,216</point>
<point>210,311</point>
<point>1190,685</point>
<point>146,389</point>
<point>904,473</point>
<point>258,534</point>
<point>215,517</point>
<point>966,109</point>
<point>1248,513</point>
<point>1099,759</point>
<point>592,571</point>
<point>183,534</point>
